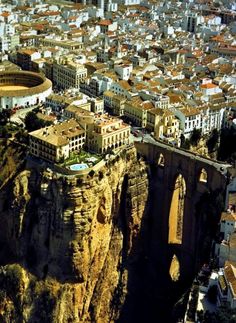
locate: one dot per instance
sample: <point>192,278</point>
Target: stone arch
<point>174,270</point>
<point>203,176</point>
<point>161,160</point>
<point>176,215</point>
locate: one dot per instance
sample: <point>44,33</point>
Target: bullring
<point>23,88</point>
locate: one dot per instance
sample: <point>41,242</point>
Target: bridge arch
<point>174,270</point>
<point>203,176</point>
<point>161,160</point>
<point>176,214</point>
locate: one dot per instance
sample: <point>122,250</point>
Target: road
<point>19,116</point>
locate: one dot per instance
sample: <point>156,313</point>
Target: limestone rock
<point>78,233</point>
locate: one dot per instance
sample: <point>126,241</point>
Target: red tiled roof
<point>5,14</point>
<point>208,86</point>
<point>105,22</point>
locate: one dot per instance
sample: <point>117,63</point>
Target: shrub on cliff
<point>227,147</point>
<point>222,315</point>
<point>91,173</point>
<point>195,136</point>
<point>12,283</point>
<point>184,143</point>
<point>10,280</point>
<point>100,175</point>
<point>45,304</point>
<point>212,141</point>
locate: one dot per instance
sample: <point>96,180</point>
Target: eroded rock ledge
<point>75,237</point>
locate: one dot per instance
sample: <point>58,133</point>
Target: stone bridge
<point>178,181</point>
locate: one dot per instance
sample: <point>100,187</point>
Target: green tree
<point>212,141</point>
<point>184,143</point>
<point>4,117</point>
<point>195,136</point>
<point>227,148</point>
<point>32,122</point>
<point>3,132</point>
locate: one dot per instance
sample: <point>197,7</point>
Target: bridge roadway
<point>220,166</point>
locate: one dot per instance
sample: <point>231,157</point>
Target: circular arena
<point>22,88</point>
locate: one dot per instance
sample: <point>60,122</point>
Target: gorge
<point>117,245</point>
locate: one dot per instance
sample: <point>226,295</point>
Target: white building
<point>225,250</point>
<point>227,285</point>
<point>95,86</point>
<point>9,42</point>
<point>123,70</point>
<point>210,89</point>
<point>191,21</point>
<point>128,2</point>
<point>212,118</point>
<point>161,101</point>
<point>190,118</point>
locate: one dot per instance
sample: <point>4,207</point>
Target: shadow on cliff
<point>149,287</point>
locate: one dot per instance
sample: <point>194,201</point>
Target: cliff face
<point>76,235</point>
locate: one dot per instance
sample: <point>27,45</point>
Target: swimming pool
<point>78,167</point>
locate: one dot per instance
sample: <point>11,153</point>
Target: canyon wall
<point>74,239</point>
<point>96,248</point>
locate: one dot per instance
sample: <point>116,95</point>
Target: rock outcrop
<point>73,238</point>
<point>95,247</point>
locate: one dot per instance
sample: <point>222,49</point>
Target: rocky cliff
<point>71,241</point>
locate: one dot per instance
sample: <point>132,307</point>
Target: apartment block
<point>56,142</point>
<point>68,74</point>
<point>107,133</point>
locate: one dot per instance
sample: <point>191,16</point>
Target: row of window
<point>192,124</point>
<point>116,138</point>
<point>76,148</point>
<point>77,142</point>
<point>47,154</point>
<point>35,141</point>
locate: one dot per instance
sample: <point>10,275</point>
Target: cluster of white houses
<point>146,110</point>
<point>98,133</point>
<point>225,252</point>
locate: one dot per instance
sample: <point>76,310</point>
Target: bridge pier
<point>202,177</point>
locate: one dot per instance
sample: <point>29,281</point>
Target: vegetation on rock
<point>32,122</point>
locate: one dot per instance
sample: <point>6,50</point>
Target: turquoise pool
<point>78,167</point>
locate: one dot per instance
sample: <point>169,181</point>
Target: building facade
<point>55,143</point>
<point>106,134</point>
<point>68,74</point>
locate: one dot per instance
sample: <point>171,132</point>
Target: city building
<point>168,128</point>
<point>97,105</point>
<point>25,56</point>
<point>107,133</point>
<point>136,110</point>
<point>225,249</point>
<point>56,142</point>
<point>68,74</point>
<point>190,118</point>
<point>227,285</point>
<point>9,42</point>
